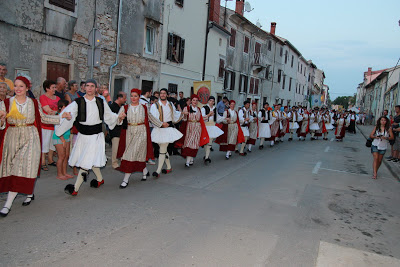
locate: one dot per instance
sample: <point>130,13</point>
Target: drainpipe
<point>118,44</point>
<point>206,41</point>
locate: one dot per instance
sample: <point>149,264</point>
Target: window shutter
<point>233,80</point>
<point>233,38</point>
<point>246,83</point>
<point>251,91</point>
<point>182,51</point>
<point>241,83</point>
<point>246,44</point>
<point>170,46</point>
<point>226,80</point>
<point>221,68</point>
<point>66,4</point>
<point>257,82</point>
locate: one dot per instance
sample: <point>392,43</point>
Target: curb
<point>391,169</point>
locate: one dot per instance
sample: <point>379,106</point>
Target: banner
<point>203,90</point>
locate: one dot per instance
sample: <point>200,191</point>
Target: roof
<point>372,77</point>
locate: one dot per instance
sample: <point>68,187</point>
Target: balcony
<point>259,60</point>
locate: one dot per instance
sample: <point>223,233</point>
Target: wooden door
<point>56,69</point>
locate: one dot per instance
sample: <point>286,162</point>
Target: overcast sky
<point>343,38</point>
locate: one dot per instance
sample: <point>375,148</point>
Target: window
<point>301,68</point>
<point>221,70</point>
<point>290,84</point>
<point>179,2</point>
<point>229,82</point>
<point>172,88</point>
<point>254,85</point>
<point>286,56</point>
<point>251,91</point>
<point>257,53</point>
<point>268,73</point>
<point>66,4</point>
<point>281,52</point>
<point>292,61</point>
<point>279,75</point>
<point>149,40</point>
<point>176,48</point>
<point>243,83</point>
<point>246,44</point>
<point>284,80</point>
<point>232,41</point>
<point>269,45</point>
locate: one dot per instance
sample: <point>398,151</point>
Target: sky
<point>343,38</point>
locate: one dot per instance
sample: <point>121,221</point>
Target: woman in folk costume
<point>253,127</point>
<point>135,146</point>
<point>352,118</point>
<point>293,117</point>
<point>314,123</point>
<point>275,126</point>
<point>89,151</point>
<point>321,124</point>
<point>194,131</point>
<point>209,114</point>
<point>328,123</point>
<point>233,134</point>
<point>244,120</point>
<point>285,124</point>
<point>340,128</point>
<point>266,118</point>
<point>166,112</point>
<point>305,126</point>
<point>20,149</point>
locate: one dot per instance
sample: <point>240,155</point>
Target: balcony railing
<point>260,59</point>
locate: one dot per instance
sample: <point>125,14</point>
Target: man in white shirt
<point>244,119</point>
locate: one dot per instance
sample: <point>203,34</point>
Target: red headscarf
<point>232,101</point>
<point>24,80</point>
<point>135,90</point>
<point>194,96</point>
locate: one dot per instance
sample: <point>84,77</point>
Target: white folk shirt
<point>144,101</point>
<point>167,115</point>
<point>203,113</point>
<point>242,113</point>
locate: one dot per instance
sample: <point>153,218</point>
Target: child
<point>62,146</point>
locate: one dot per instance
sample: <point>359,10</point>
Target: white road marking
<point>327,149</point>
<point>316,168</point>
<point>332,139</point>
<point>357,173</point>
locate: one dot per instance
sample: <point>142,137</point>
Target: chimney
<point>273,27</point>
<point>369,73</point>
<point>215,7</point>
<point>239,7</point>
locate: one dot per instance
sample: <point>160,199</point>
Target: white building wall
<point>302,82</point>
<point>189,23</point>
<point>288,91</point>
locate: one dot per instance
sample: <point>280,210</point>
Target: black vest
<point>208,110</point>
<point>81,117</point>
<point>263,115</point>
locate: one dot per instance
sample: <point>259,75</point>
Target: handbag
<point>369,142</point>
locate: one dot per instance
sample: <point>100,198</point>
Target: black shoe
<point>70,190</point>
<point>156,175</point>
<point>123,185</point>
<point>211,149</point>
<point>208,160</point>
<point>26,203</point>
<point>290,139</point>
<point>236,151</point>
<point>227,157</point>
<point>5,214</point>
<point>261,147</point>
<point>85,175</point>
<point>187,165</point>
<point>243,154</point>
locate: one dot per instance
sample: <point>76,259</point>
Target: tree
<point>342,101</point>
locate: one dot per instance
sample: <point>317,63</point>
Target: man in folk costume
<point>275,125</point>
<point>165,111</point>
<point>194,131</point>
<point>300,113</point>
<point>285,123</point>
<point>20,145</point>
<point>135,142</point>
<point>305,126</point>
<point>145,100</point>
<point>266,118</point>
<point>321,123</point>
<point>352,118</point>
<point>314,123</point>
<point>328,123</point>
<point>293,117</point>
<point>209,114</point>
<point>89,153</point>
<point>253,127</point>
<point>340,128</point>
<point>233,134</point>
<point>244,119</point>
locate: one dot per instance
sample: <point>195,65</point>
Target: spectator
<point>396,130</point>
<point>386,114</point>
<point>3,91</point>
<point>153,99</point>
<point>82,92</point>
<point>182,101</point>
<point>99,93</point>
<point>145,98</point>
<point>3,73</point>
<point>72,94</point>
<point>221,106</point>
<point>380,136</point>
<point>61,85</point>
<point>173,100</point>
<point>104,92</point>
<point>156,94</point>
<point>116,132</point>
<point>49,102</point>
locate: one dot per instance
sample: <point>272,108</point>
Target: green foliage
<point>345,101</point>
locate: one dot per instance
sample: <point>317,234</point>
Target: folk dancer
<point>321,124</point>
<point>266,119</point>
<point>328,123</point>
<point>135,146</point>
<point>194,131</point>
<point>340,128</point>
<point>209,114</point>
<point>314,123</point>
<point>305,126</point>
<point>253,127</point>
<point>275,126</point>
<point>20,147</point>
<point>165,111</point>
<point>233,134</point>
<point>89,153</point>
<point>352,118</point>
<point>293,117</point>
<point>285,124</point>
<point>244,120</point>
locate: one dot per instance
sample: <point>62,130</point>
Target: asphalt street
<point>310,203</point>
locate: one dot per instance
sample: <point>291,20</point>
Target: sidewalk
<point>394,167</point>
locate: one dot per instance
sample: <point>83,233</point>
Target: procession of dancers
<point>147,132</point>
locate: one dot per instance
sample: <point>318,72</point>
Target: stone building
<point>50,38</point>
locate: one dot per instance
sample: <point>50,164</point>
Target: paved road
<point>309,203</point>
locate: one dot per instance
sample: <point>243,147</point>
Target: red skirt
<point>17,184</point>
<point>132,166</point>
<point>251,141</point>
<point>227,147</point>
<point>189,152</point>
